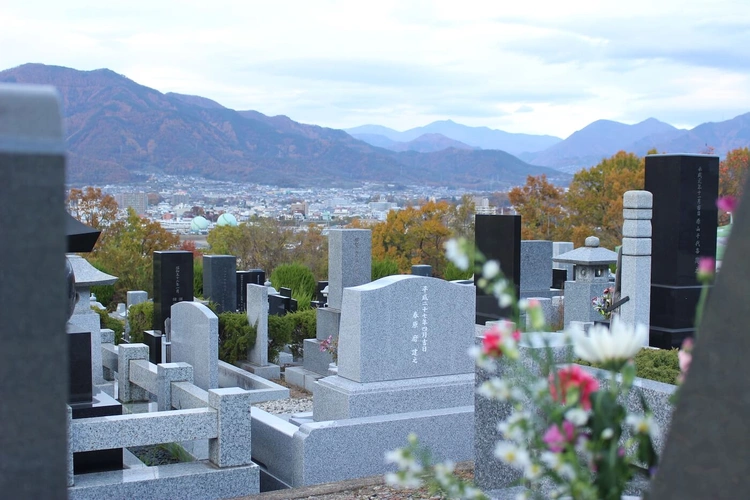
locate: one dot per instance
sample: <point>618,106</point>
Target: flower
<point>643,424</point>
<point>577,416</point>
<point>512,454</point>
<point>706,269</point>
<point>455,253</point>
<point>726,203</point>
<point>685,356</point>
<point>557,438</point>
<point>613,346</point>
<point>501,340</point>
<point>603,303</point>
<point>490,269</point>
<point>575,384</point>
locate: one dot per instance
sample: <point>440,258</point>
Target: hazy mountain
<point>722,136</point>
<point>118,129</point>
<point>478,137</point>
<point>598,140</point>
<point>425,143</point>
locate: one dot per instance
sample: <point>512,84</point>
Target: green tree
<point>539,203</point>
<point>126,250</point>
<point>594,199</point>
<point>260,243</point>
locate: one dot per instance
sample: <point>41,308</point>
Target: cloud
<point>524,109</point>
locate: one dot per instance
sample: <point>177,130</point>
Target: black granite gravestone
<point>173,283</point>
<point>84,403</point>
<point>253,276</point>
<point>707,450</point>
<point>422,270</point>
<point>685,188</point>
<point>219,281</point>
<point>319,291</point>
<point>559,277</point>
<point>278,305</point>
<point>285,292</point>
<point>498,237</point>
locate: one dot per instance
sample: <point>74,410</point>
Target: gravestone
<point>219,281</point>
<point>244,278</point>
<point>34,356</point>
<point>136,297</point>
<point>536,268</point>
<point>258,305</point>
<point>685,188</point>
<point>403,345</point>
<point>498,237</point>
<point>708,449</point>
<point>195,340</point>
<point>634,270</point>
<point>560,247</point>
<point>421,270</point>
<point>173,283</point>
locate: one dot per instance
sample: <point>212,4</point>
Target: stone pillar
<point>636,257</point>
<point>257,306</point>
<point>349,261</point>
<point>34,355</point>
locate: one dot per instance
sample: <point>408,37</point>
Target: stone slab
<point>184,480</point>
<point>323,452</point>
<point>327,323</point>
<point>300,377</point>
<point>536,265</point>
<point>314,359</point>
<point>257,315</point>
<point>337,398</point>
<point>260,388</point>
<point>349,261</point>
<point>136,297</point>
<point>195,340</point>
<point>406,326</point>
<point>270,371</point>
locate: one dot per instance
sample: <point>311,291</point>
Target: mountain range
<point>119,131</point>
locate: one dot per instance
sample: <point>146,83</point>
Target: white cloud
<point>533,66</point>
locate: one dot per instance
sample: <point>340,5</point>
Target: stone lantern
<point>591,278</point>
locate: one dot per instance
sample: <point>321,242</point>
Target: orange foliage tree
<point>415,236</point>
<point>92,207</point>
<point>539,203</point>
<point>593,202</point>
<point>733,172</point>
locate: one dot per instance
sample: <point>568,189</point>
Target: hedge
<point>236,336</point>
<point>660,365</point>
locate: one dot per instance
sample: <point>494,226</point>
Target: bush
<point>236,336</point>
<point>303,300</point>
<point>107,321</point>
<point>140,318</point>
<point>104,295</point>
<point>453,273</point>
<point>383,267</point>
<point>660,365</point>
<point>295,276</point>
<point>291,329</point>
<point>198,278</point>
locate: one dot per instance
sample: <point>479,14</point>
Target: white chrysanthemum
<point>455,253</point>
<point>490,269</point>
<point>555,462</point>
<point>401,458</point>
<point>532,471</point>
<point>483,361</point>
<point>495,388</point>
<point>643,424</point>
<point>618,343</point>
<point>512,454</point>
<point>407,480</point>
<point>608,433</point>
<point>577,416</point>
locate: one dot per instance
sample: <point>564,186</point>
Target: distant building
<point>482,206</point>
<point>136,201</point>
<point>180,198</point>
<point>299,208</point>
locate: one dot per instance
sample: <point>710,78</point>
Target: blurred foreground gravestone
<point>33,301</point>
<point>708,449</point>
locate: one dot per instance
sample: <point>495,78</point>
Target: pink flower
<point>492,344</point>
<point>706,268</point>
<point>727,204</point>
<point>573,382</point>
<point>685,356</point>
<point>557,439</point>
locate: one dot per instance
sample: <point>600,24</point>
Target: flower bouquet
<point>603,304</point>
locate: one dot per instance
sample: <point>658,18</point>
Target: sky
<point>537,67</point>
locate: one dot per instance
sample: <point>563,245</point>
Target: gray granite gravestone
<point>195,340</point>
<point>708,448</point>
<point>536,268</point>
<point>34,354</point>
<point>219,281</point>
<point>349,261</point>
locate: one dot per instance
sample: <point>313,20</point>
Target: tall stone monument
<point>498,237</point>
<point>34,355</point>
<point>636,257</point>
<point>173,283</point>
<point>685,189</point>
<point>219,281</point>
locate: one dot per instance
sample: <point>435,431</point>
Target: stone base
<point>667,338</point>
<point>101,405</point>
<point>300,377</point>
<point>269,371</point>
<point>184,480</point>
<point>337,398</point>
<point>324,452</point>
<point>314,359</point>
<point>262,389</point>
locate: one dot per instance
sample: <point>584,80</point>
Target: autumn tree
<point>259,243</point>
<point>461,218</point>
<point>414,236</point>
<point>311,250</point>
<point>126,249</point>
<point>594,199</point>
<point>733,172</point>
<point>539,203</point>
<point>92,207</point>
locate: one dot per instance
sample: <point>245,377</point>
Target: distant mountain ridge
<point>425,143</point>
<point>118,129</point>
<point>478,137</point>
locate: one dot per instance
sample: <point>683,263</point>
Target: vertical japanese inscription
<point>420,328</point>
